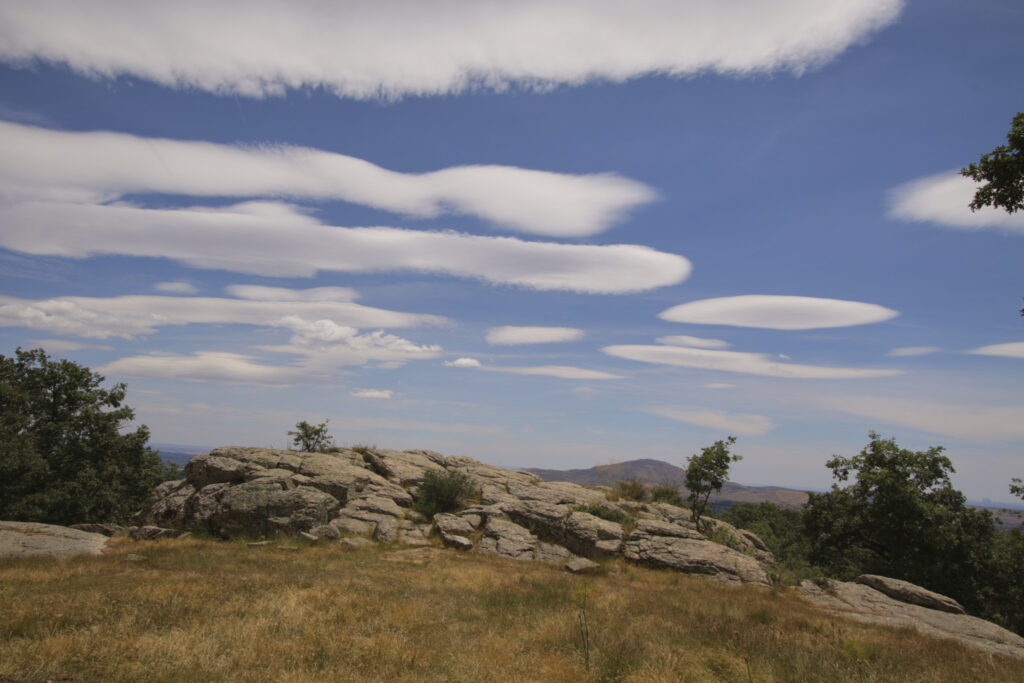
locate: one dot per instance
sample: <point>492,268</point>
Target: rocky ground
<point>358,497</point>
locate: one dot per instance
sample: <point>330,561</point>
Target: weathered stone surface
<point>260,507</point>
<point>355,542</point>
<point>507,539</point>
<point>458,542</point>
<point>582,565</point>
<point>204,470</point>
<point>24,539</point>
<point>694,557</point>
<point>549,552</point>
<point>376,505</point>
<point>657,527</point>
<point>863,603</point>
<point>904,591</point>
<point>586,534</point>
<point>166,504</point>
<point>406,468</point>
<point>454,530</point>
<point>547,520</point>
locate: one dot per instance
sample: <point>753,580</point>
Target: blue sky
<point>550,234</point>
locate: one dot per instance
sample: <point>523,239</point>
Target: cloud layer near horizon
<point>515,335</point>
<point>743,424</point>
<point>560,371</point>
<point>737,361</point>
<point>366,49</point>
<point>97,167</point>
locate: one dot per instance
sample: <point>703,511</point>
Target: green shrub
<point>444,492</point>
<point>667,493</point>
<point>605,512</point>
<point>631,489</point>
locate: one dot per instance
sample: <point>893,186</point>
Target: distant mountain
<point>178,454</point>
<point>651,471</point>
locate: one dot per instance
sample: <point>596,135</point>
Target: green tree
<point>706,473</point>
<point>1017,488</point>
<point>1001,172</point>
<point>901,517</point>
<point>311,438</point>
<point>63,456</point>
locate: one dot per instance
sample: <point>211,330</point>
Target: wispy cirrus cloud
<point>514,335</point>
<point>909,351</point>
<point>1008,350</point>
<point>695,342</point>
<point>778,312</point>
<point>957,420</point>
<point>211,366</point>
<point>744,424</point>
<point>559,371</point>
<point>97,167</point>
<point>367,49</point>
<point>944,199</point>
<point>280,240</point>
<point>761,364</point>
<point>372,393</point>
<point>176,287</point>
<point>133,316</point>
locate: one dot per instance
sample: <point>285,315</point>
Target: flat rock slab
<point>28,539</point>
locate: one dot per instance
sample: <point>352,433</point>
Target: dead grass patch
<point>221,611</point>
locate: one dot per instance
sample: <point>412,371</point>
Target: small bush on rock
<point>667,493</point>
<point>604,512</point>
<point>444,492</point>
<point>631,489</point>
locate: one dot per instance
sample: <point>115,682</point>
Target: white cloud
<point>132,316</point>
<point>176,287</point>
<point>96,167</point>
<point>737,361</point>
<point>463,363</point>
<point>778,312</point>
<point>64,345</point>
<point>944,199</point>
<point>560,371</point>
<point>511,335</point>
<point>368,49</point>
<point>733,423</point>
<point>210,366</point>
<point>1009,350</point>
<point>278,240</point>
<point>372,393</point>
<point>904,351</point>
<point>261,293</point>
<point>696,342</point>
<point>327,345</point>
<point>961,421</point>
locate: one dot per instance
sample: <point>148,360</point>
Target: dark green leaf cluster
<point>782,530</point>
<point>63,458</point>
<point>311,438</point>
<point>706,473</point>
<point>901,517</point>
<point>1001,173</point>
<point>444,492</point>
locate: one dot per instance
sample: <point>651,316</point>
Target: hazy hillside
<point>651,471</point>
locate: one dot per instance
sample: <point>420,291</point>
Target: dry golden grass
<point>212,611</point>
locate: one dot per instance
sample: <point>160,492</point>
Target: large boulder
<point>904,591</point>
<point>694,556</point>
<point>865,603</point>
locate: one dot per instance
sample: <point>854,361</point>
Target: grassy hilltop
<point>196,609</point>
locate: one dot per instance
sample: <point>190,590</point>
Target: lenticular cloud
<point>778,312</point>
<point>369,49</point>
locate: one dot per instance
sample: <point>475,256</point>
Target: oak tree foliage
<point>67,453</point>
